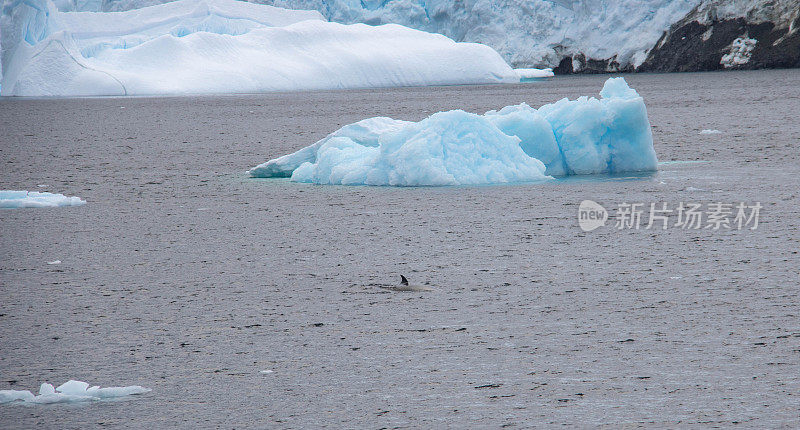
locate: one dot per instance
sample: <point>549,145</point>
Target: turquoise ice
<point>610,134</point>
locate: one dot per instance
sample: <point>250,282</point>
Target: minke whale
<point>405,286</point>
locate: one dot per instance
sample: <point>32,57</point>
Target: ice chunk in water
<point>70,391</point>
<point>515,144</point>
<point>10,199</point>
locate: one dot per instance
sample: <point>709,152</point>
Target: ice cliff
<point>591,35</point>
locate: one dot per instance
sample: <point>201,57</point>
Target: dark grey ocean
<point>184,275</point>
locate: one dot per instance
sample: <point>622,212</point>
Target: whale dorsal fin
<point>403,280</point>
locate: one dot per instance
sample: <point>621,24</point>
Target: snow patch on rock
<point>740,52</point>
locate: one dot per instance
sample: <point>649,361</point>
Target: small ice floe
<point>710,131</point>
<point>526,74</point>
<point>264,372</point>
<point>42,185</point>
<point>10,199</point>
<point>68,392</point>
<point>693,189</point>
<point>14,395</point>
<point>54,262</point>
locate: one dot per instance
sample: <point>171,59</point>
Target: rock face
<point>728,34</point>
<point>580,64</point>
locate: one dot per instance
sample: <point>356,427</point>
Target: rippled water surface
<point>184,275</point>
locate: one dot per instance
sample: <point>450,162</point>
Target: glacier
<point>568,35</point>
<point>527,33</point>
<point>223,46</point>
<point>10,199</point>
<point>591,35</point>
<point>69,392</point>
<point>610,134</point>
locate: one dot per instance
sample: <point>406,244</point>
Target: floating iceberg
<point>35,199</point>
<point>70,391</point>
<point>515,144</point>
<point>223,46</point>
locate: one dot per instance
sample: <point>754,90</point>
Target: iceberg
<point>68,392</point>
<point>7,396</point>
<point>34,199</point>
<point>610,134</point>
<point>223,46</point>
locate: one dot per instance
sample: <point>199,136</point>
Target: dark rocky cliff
<point>705,41</point>
<point>716,35</point>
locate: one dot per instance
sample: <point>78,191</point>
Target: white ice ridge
<point>70,391</point>
<point>34,199</point>
<point>223,46</point>
<point>515,144</point>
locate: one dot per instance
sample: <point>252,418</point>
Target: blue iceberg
<point>515,144</point>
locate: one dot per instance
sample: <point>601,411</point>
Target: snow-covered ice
<point>223,46</point>
<point>35,199</point>
<point>515,144</point>
<point>70,391</point>
<point>710,131</point>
